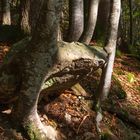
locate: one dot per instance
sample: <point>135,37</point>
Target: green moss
<point>33,132</point>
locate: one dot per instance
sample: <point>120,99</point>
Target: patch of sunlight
<point>131,77</point>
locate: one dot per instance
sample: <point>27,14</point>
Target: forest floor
<point>72,112</point>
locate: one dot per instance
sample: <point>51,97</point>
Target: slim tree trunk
<point>131,22</point>
<point>6,16</point>
<point>92,18</point>
<point>76,22</point>
<point>24,16</point>
<point>110,47</point>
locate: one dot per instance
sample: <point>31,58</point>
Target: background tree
<point>129,29</point>
<point>76,22</point>
<point>35,7</point>
<point>24,16</point>
<point>102,19</point>
<point>131,22</point>
<point>0,12</point>
<point>91,22</point>
<point>6,17</point>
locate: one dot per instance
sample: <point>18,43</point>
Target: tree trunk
<point>76,22</point>
<point>110,47</point>
<point>40,56</point>
<point>103,16</point>
<point>35,8</point>
<point>92,18</point>
<point>93,55</point>
<point>131,22</point>
<point>43,61</point>
<point>24,16</point>
<point>6,17</point>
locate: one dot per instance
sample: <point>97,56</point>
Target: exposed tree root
<point>37,131</point>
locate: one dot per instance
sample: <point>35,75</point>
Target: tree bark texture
<point>76,22</point>
<point>6,16</point>
<point>110,48</point>
<point>35,7</point>
<point>91,23</point>
<point>69,53</point>
<point>24,16</point>
<point>43,64</point>
<point>40,56</point>
<point>69,69</point>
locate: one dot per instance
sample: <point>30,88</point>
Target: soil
<point>72,113</point>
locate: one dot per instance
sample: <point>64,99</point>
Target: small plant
<point>130,77</point>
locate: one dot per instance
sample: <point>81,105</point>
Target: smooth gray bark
<point>91,23</point>
<point>110,47</point>
<point>76,22</point>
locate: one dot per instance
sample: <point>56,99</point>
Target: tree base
<point>37,131</point>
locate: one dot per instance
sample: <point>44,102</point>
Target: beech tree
<point>76,22</point>
<point>29,14</point>
<point>91,22</point>
<point>26,108</point>
<point>103,16</point>
<point>110,48</point>
<point>42,63</point>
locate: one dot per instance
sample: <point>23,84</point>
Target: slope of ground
<point>73,115</point>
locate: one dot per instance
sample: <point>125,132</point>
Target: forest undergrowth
<point>72,112</point>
